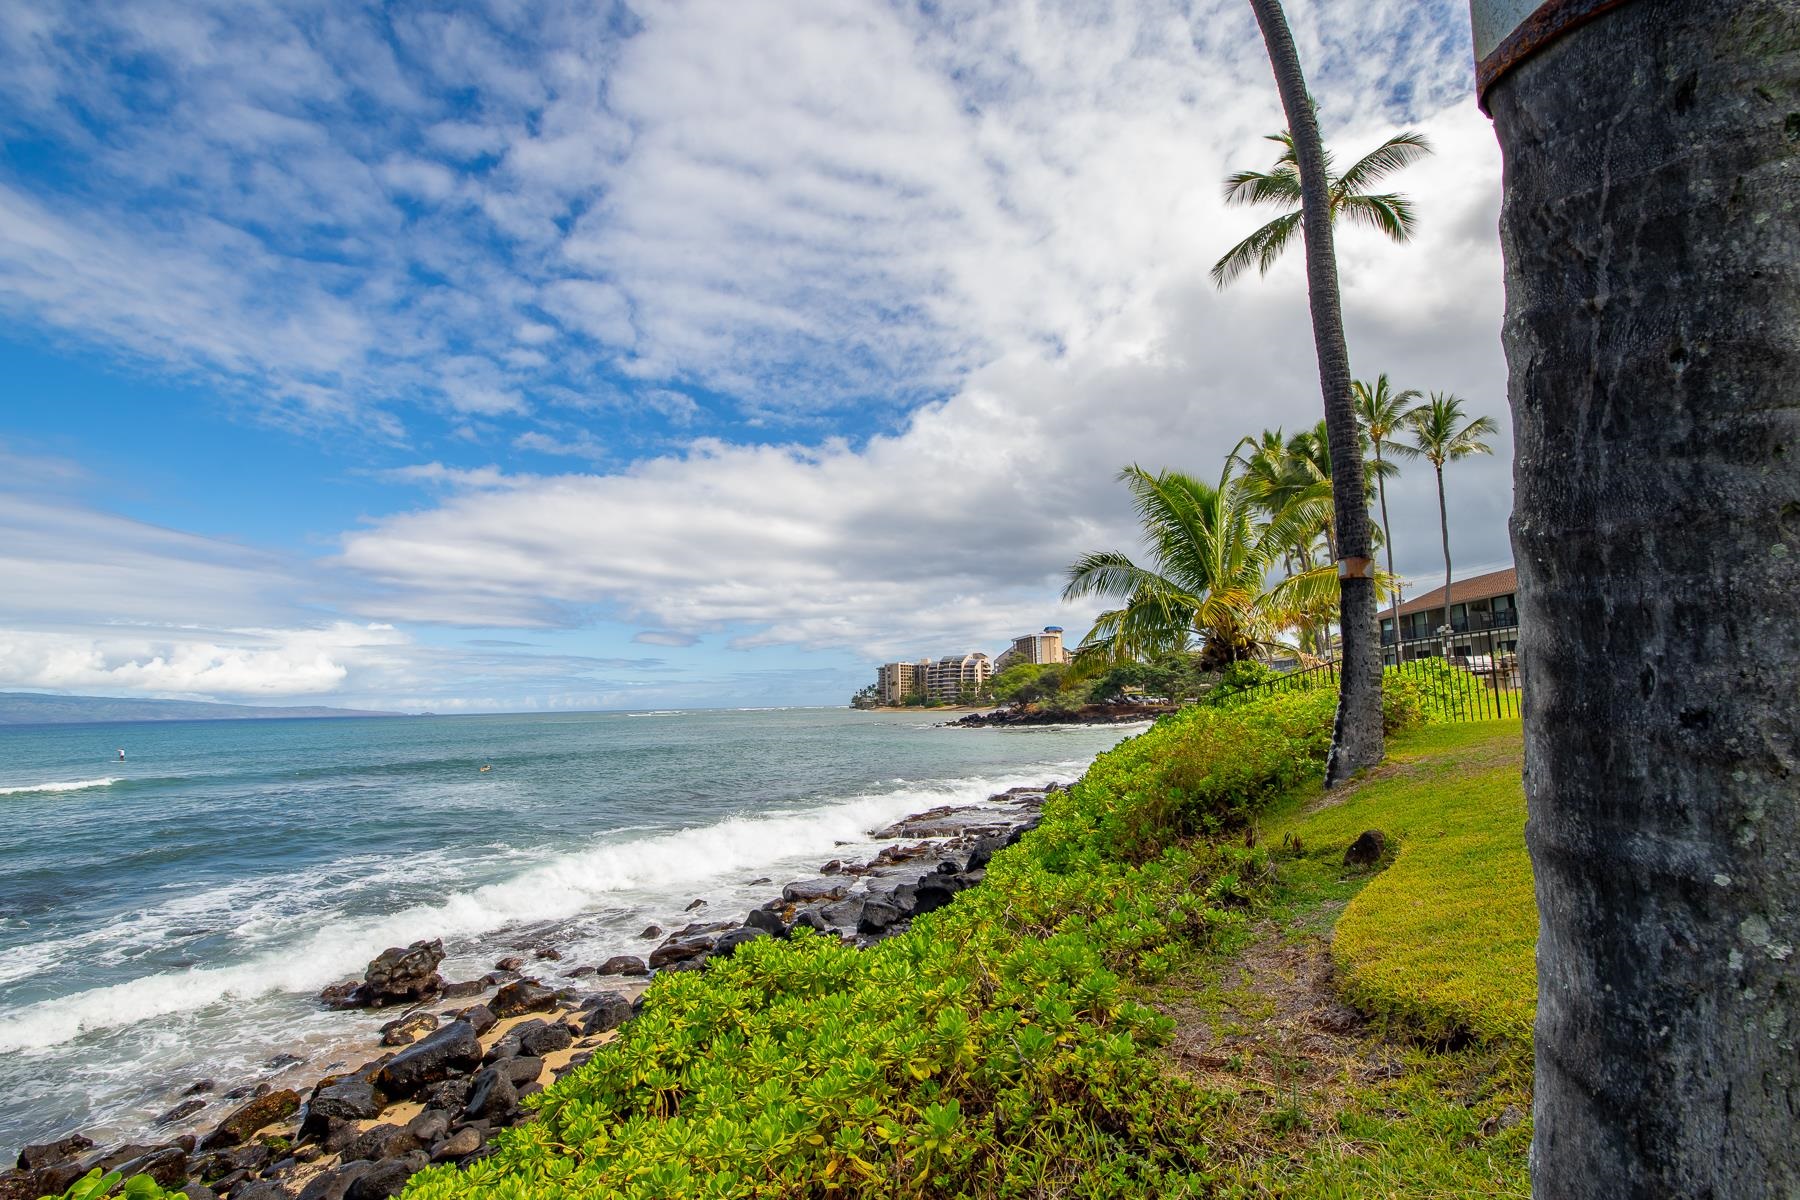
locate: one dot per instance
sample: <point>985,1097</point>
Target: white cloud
<point>1005,211</point>
<point>255,663</point>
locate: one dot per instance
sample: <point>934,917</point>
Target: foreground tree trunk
<point>1357,737</point>
<point>1653,335</point>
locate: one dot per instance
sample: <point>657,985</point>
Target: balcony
<point>1475,622</point>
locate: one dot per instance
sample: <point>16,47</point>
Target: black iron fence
<point>1471,675</point>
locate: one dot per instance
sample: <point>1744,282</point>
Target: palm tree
<point>1442,434</point>
<point>1208,575</point>
<point>1357,739</point>
<point>1382,413</point>
<point>1650,336</point>
<point>1389,212</point>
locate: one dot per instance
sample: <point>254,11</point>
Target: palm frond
<point>1389,213</point>
<point>1280,186</point>
<point>1399,151</point>
<point>1260,250</point>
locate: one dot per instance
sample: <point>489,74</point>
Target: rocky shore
<point>1087,714</point>
<point>458,1059</point>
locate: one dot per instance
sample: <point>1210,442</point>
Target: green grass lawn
<point>1441,941</point>
<point>1431,1096</point>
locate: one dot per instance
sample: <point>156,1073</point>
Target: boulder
<point>452,1050</point>
<point>449,1095</point>
<point>843,913</point>
<point>404,1031</point>
<point>547,954</point>
<point>729,942</point>
<point>460,1144</point>
<point>399,976</point>
<point>693,904</point>
<point>932,893</point>
<point>803,891</point>
<point>1367,849</point>
<point>652,931</point>
<point>522,1070</point>
<point>527,995</point>
<point>983,850</point>
<point>767,921</point>
<point>44,1154</point>
<point>545,1040</point>
<point>167,1165</point>
<point>385,1179</point>
<point>480,1017</point>
<point>180,1112</point>
<point>198,1087</point>
<point>759,881</point>
<point>811,919</point>
<point>579,972</point>
<point>429,1126</point>
<point>463,990</point>
<point>193,1191</point>
<point>344,1098</point>
<point>609,1012</point>
<point>382,1142</point>
<point>492,1096</point>
<point>334,1183</point>
<point>675,951</point>
<point>511,962</point>
<point>260,1189</point>
<point>834,867</point>
<point>878,915</point>
<point>624,964</point>
<point>262,1111</point>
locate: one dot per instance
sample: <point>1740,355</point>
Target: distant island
<point>37,708</point>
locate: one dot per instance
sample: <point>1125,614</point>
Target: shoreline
<point>274,1135</point>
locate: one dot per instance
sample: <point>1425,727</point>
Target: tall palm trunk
<point>1653,332</point>
<point>1444,527</point>
<point>1387,541</point>
<point>1357,737</point>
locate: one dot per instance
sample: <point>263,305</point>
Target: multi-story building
<point>1483,619</point>
<point>1045,647</point>
<point>953,675</point>
<point>895,681</point>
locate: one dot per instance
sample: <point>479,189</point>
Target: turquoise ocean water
<point>172,916</point>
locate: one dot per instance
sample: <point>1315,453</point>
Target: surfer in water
<point>121,755</point>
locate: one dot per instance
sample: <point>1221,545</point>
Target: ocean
<point>173,916</point>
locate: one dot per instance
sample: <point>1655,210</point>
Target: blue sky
<point>517,355</point>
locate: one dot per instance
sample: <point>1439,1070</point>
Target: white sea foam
<point>320,947</point>
<point>69,785</point>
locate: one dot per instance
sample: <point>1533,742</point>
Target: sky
<point>679,353</point>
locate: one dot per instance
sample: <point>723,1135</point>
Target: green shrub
<point>97,1184</point>
<point>994,1049</point>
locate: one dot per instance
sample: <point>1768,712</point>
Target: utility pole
<point>1651,227</point>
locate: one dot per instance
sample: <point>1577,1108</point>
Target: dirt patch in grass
<point>1265,1031</point>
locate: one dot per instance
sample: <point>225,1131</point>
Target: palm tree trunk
<point>1444,526</point>
<point>1357,737</point>
<point>1653,331</point>
<point>1387,541</point>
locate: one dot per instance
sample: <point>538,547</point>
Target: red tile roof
<point>1462,591</point>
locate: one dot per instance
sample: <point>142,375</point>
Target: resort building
<point>944,680</point>
<point>952,675</point>
<point>1045,647</point>
<point>895,681</point>
<point>1483,609</point>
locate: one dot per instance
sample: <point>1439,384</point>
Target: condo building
<point>1041,648</point>
<point>944,680</point>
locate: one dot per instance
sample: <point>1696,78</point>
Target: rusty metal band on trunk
<point>1550,21</point>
